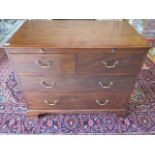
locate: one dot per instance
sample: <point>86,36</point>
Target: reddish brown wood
<point>31,50</point>
<point>27,64</point>
<point>75,101</point>
<point>77,34</point>
<point>77,49</point>
<point>58,84</point>
<point>129,63</point>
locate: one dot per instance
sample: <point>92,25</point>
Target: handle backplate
<point>43,64</point>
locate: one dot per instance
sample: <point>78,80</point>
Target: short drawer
<point>76,101</point>
<point>43,64</point>
<point>51,84</point>
<point>107,63</point>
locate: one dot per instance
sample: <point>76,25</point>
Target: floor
<point>146,27</point>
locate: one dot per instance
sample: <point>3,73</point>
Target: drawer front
<point>39,50</point>
<point>76,101</point>
<point>43,64</point>
<point>50,84</point>
<point>107,63</point>
<point>67,50</point>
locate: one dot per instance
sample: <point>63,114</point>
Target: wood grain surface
<point>75,101</point>
<point>59,84</point>
<point>77,34</point>
<point>39,64</point>
<point>76,66</point>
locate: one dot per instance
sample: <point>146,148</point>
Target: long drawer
<point>106,63</point>
<point>76,101</point>
<point>50,84</point>
<point>43,64</point>
<point>36,50</point>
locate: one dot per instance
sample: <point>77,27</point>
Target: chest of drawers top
<point>77,34</point>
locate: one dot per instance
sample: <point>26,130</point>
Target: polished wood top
<point>77,34</point>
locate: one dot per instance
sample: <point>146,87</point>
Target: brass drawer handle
<point>46,85</point>
<point>44,65</point>
<point>110,66</point>
<point>42,50</point>
<point>113,50</point>
<point>51,103</point>
<point>104,102</point>
<point>106,86</point>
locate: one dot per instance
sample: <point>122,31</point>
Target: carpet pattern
<point>13,118</point>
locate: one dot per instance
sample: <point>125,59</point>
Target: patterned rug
<point>13,118</point>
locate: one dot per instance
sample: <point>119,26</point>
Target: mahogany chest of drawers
<point>74,66</point>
